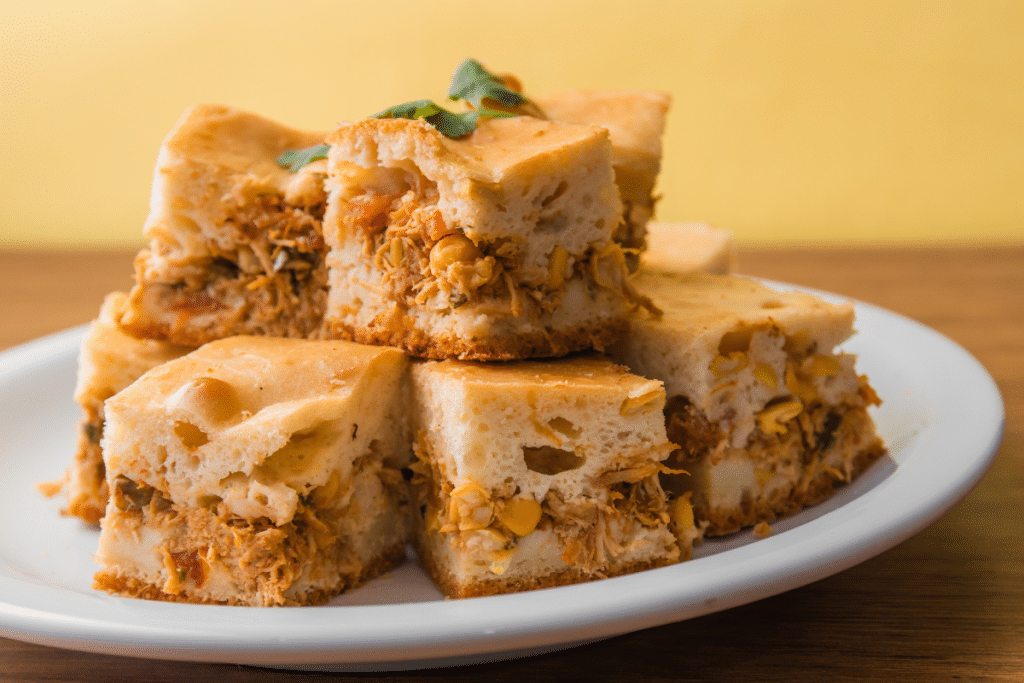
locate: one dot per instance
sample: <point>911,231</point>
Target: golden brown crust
<point>548,344</point>
<point>494,150</point>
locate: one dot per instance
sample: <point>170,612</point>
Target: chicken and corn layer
<point>768,415</point>
<point>256,433</point>
<point>270,279</point>
<point>337,538</point>
<point>423,259</point>
<point>473,544</point>
<point>808,440</point>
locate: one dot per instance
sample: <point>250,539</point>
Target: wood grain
<point>947,604</point>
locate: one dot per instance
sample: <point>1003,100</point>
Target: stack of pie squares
<point>458,344</point>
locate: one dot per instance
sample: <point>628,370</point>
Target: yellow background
<point>806,121</point>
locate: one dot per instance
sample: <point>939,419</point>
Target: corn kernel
<point>397,252</point>
<point>736,341</point>
<point>791,381</point>
<point>726,365</point>
<point>452,249</point>
<point>521,516</point>
<point>773,419</point>
<point>799,343</point>
<point>822,366</point>
<point>556,267</point>
<point>681,512</point>
<point>765,374</point>
<point>471,507</point>
<point>802,390</point>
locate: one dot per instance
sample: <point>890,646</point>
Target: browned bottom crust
<point>819,487</point>
<point>452,588</point>
<point>546,344</point>
<point>131,587</point>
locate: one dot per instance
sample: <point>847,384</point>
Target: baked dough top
<point>635,119</point>
<point>498,148</point>
<point>265,371</point>
<point>702,305</point>
<point>215,159</point>
<point>235,140</point>
<point>580,375</point>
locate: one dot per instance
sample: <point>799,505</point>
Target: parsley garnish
<point>486,92</point>
<point>294,159</point>
<point>473,83</point>
<point>449,124</point>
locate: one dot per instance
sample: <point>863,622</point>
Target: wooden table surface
<point>947,604</point>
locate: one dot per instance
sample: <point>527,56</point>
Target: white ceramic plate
<point>942,419</point>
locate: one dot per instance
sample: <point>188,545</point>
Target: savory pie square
<point>235,240</point>
<point>537,474</point>
<point>768,415</point>
<point>256,471</point>
<point>494,246</point>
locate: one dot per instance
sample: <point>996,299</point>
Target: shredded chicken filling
<point>259,553</point>
<point>592,531</point>
<point>631,232</point>
<point>274,275</point>
<point>815,422</point>
<point>423,258</point>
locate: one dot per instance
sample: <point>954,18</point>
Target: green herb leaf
<point>449,124</point>
<point>472,82</point>
<point>486,112</point>
<point>453,125</point>
<point>294,159</point>
<point>417,109</point>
